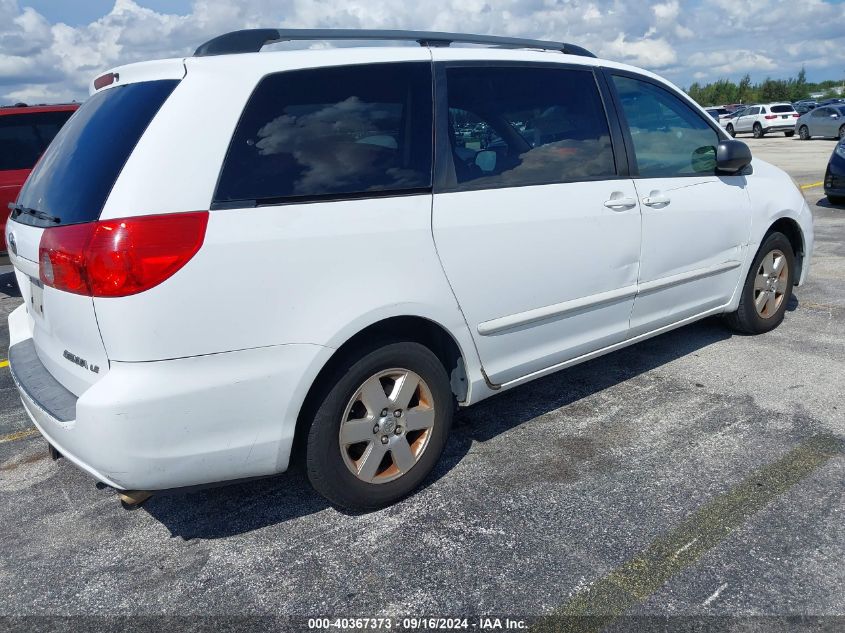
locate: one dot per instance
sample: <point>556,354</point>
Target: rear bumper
<point>175,423</point>
<point>780,128</point>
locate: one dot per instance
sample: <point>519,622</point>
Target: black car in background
<point>805,105</point>
<point>834,177</point>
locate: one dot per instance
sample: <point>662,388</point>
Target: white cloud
<point>729,64</point>
<point>667,11</point>
<point>650,53</point>
<point>684,40</point>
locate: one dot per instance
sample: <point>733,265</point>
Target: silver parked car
<point>827,121</point>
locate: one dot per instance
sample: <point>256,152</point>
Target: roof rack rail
<point>252,40</point>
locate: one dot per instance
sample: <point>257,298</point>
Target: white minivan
<point>239,258</point>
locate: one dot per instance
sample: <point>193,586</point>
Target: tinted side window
<point>670,138</point>
<point>820,112</point>
<point>20,146</point>
<point>332,132</point>
<point>516,126</point>
<point>48,124</point>
<point>23,137</point>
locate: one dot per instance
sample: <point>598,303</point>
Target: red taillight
<point>796,115</point>
<point>771,116</point>
<point>116,258</point>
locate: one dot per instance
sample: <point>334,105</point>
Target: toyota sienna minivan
<point>222,254</point>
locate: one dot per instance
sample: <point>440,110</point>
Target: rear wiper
<point>18,209</point>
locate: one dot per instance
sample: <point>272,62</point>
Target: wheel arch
<point>792,230</point>
<point>406,328</point>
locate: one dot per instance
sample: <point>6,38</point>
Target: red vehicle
<point>25,132</point>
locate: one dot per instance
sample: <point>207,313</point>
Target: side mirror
<point>732,156</point>
<point>486,160</point>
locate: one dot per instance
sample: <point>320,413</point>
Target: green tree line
<point>792,89</point>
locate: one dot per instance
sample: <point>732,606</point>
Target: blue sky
<point>82,12</point>
<point>50,49</point>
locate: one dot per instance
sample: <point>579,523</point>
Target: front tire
<point>837,200</point>
<point>767,288</point>
<point>380,426</point>
<point>757,131</point>
<point>731,130</point>
<point>842,132</point>
<point>804,133</point>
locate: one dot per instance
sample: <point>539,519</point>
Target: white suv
<point>762,119</point>
<point>225,254</point>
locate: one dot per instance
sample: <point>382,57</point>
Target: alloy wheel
<point>387,425</point>
<point>770,284</point>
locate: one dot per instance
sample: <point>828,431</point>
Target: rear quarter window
<point>332,133</point>
<point>75,175</point>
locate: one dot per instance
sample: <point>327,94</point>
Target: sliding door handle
<point>656,199</point>
<point>621,203</point>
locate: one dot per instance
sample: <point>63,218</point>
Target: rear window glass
<point>23,137</point>
<point>781,108</point>
<point>75,175</point>
<point>332,132</point>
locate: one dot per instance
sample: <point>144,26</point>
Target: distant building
<point>837,90</point>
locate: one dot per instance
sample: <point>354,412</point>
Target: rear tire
<point>731,130</point>
<point>804,133</point>
<point>837,200</point>
<point>842,132</point>
<point>361,458</point>
<point>757,131</point>
<point>767,288</point>
<point>790,133</point>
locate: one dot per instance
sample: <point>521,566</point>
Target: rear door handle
<point>621,203</point>
<point>656,199</point>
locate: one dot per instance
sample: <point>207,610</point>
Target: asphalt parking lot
<point>696,474</point>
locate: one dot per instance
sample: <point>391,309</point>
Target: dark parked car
<point>834,177</point>
<point>802,107</point>
<point>25,132</point>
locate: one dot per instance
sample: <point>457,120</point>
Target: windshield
<point>72,180</point>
